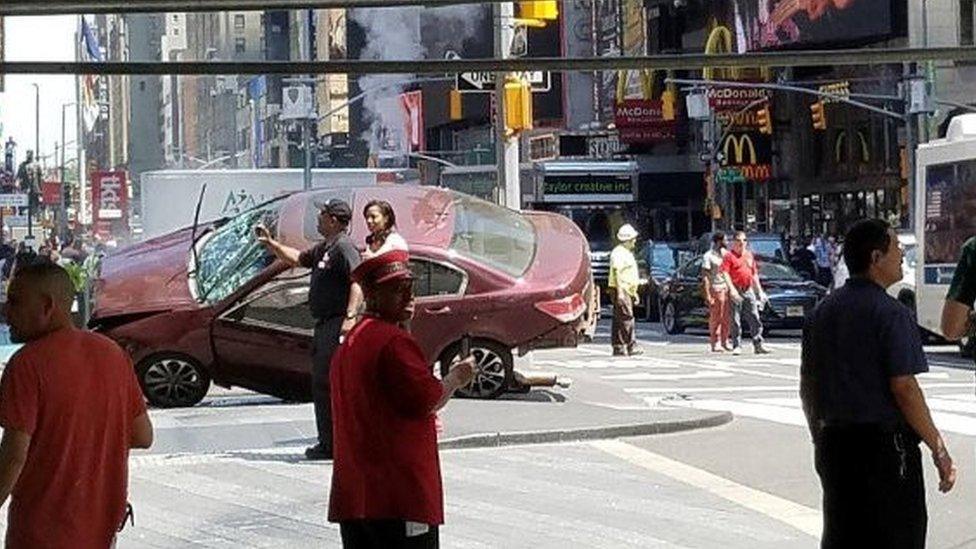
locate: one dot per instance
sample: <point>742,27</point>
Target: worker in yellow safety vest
<point>623,285</point>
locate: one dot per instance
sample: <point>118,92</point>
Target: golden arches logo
<point>739,145</point>
<point>719,41</point>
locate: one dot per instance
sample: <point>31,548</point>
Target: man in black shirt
<point>333,298</point>
<point>865,410</point>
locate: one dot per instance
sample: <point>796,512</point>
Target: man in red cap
<point>386,480</point>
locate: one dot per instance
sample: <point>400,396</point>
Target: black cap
<point>337,208</point>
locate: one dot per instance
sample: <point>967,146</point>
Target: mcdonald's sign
<point>747,157</point>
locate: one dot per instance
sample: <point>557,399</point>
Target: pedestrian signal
<point>765,121</point>
<point>818,116</point>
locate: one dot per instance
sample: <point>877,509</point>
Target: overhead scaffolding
<point>452,66</point>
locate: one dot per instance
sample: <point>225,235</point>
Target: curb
<point>490,440</point>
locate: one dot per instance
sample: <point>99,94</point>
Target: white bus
<point>945,214</point>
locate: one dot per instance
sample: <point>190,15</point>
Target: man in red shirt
<point>748,297</point>
<point>386,479</point>
<point>70,408</point>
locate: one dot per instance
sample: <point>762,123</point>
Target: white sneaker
<point>737,351</point>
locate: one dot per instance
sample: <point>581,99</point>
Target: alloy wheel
<point>174,382</point>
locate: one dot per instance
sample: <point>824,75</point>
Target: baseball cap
<point>337,208</point>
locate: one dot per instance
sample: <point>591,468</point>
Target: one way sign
<point>475,82</point>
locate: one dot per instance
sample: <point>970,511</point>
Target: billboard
<point>642,121</point>
<point>746,156</point>
<point>773,24</point>
<point>110,204</point>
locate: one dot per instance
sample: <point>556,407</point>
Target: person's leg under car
<point>325,344</point>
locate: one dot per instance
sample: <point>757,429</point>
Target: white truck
<point>169,197</point>
<point>945,213</point>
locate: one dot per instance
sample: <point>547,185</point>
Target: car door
<point>690,304</point>
<point>264,341</point>
<point>442,313</point>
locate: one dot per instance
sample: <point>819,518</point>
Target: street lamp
<point>63,207</point>
<point>37,152</point>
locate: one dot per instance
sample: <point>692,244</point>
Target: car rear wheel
<point>669,318</point>
<point>493,368</point>
<point>173,380</point>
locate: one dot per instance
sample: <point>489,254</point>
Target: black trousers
<point>324,346</point>
<point>873,490</point>
<point>385,534</point>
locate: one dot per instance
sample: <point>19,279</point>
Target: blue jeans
<point>749,308</point>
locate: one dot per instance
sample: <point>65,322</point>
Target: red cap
<point>392,265</point>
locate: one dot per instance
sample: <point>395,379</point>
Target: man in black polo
<point>865,410</point>
<point>333,298</point>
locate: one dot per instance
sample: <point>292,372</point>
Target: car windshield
<point>768,248</point>
<point>499,237</point>
<point>663,258</point>
<point>777,271</point>
<point>230,256</point>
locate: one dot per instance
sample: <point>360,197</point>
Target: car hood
<point>145,277</point>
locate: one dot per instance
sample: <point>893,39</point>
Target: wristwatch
<point>351,316</point>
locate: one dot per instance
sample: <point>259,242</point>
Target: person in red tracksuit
<point>386,480</point>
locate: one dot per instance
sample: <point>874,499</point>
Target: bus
<point>945,214</point>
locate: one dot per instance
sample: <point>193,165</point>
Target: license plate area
<point>794,311</point>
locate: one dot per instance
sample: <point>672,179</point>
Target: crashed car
<point>210,304</point>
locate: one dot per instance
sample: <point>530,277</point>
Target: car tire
<point>494,368</point>
<point>172,380</point>
<point>669,319</point>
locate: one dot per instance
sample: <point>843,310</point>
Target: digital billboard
<point>773,24</point>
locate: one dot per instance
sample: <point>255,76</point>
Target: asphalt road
<point>749,483</point>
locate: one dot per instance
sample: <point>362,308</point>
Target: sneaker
<point>718,350</point>
<point>737,351</point>
<point>317,453</point>
<point>619,353</point>
<point>636,351</point>
<point>563,382</point>
<point>760,350</point>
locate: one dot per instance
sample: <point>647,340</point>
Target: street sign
<point>13,200</point>
<point>483,81</point>
<point>296,103</point>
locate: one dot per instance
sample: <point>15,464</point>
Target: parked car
<point>657,262</point>
<point>790,297</point>
<point>225,310</point>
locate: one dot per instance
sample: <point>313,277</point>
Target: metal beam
<point>449,66</point>
<point>58,7</point>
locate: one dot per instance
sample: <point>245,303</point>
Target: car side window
<point>284,303</point>
<point>434,279</point>
<point>692,269</point>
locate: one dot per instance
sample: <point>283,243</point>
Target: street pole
<point>307,122</point>
<point>911,143</point>
<point>507,146</point>
<point>37,156</point>
<point>63,207</point>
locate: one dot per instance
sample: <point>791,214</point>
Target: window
<point>283,307</point>
<point>434,279</point>
<point>239,21</point>
<point>693,269</point>
<point>240,45</point>
<point>967,16</point>
<point>499,237</point>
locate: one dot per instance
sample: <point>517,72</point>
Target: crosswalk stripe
<point>798,516</point>
<point>644,376</point>
<point>731,389</point>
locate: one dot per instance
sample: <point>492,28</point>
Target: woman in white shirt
<point>381,222</point>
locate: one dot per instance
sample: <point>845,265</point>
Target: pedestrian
<point>334,300</point>
<point>386,483</point>
<point>804,261</point>
<point>957,311</point>
<point>71,409</point>
<point>866,413</point>
<point>716,289</point>
<point>748,297</point>
<point>822,252</point>
<point>381,223</point>
<point>623,283</point>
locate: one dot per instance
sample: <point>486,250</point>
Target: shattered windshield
<point>231,255</point>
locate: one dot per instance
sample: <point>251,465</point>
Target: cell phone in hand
<point>465,351</point>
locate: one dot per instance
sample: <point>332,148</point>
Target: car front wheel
<point>173,380</point>
<point>493,368</point>
<point>669,318</point>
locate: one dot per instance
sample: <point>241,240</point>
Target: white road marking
<point>803,518</point>
<point>644,376</point>
<point>730,389</point>
<point>933,375</point>
<point>768,412</point>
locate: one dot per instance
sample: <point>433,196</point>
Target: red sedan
<point>223,309</point>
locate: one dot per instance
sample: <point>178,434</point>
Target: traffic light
<point>518,105</point>
<point>455,105</point>
<point>765,121</point>
<point>668,104</point>
<point>545,10</point>
<point>818,116</point>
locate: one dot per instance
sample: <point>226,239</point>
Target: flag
<point>90,51</point>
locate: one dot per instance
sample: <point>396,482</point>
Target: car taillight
<point>566,309</point>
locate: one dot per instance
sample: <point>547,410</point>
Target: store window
<point>239,21</point>
<point>240,45</point>
<point>967,22</point>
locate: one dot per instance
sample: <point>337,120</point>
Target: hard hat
<point>627,232</point>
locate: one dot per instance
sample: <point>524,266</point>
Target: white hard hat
<point>627,232</point>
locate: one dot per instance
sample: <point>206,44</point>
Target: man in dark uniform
<point>957,311</point>
<point>865,410</point>
<point>333,298</point>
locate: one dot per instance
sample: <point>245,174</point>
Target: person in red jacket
<point>386,480</point>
